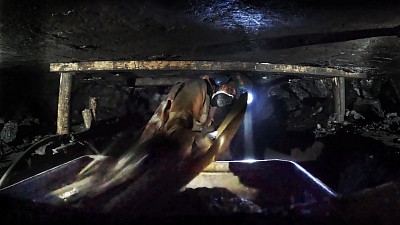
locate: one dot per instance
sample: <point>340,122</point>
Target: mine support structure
<point>67,71</point>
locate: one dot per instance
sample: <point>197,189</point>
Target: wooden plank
<point>339,95</point>
<point>64,97</point>
<point>87,118</point>
<point>93,106</point>
<point>201,66</point>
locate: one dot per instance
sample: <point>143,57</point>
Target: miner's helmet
<point>228,90</point>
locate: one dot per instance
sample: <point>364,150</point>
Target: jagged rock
<point>317,88</point>
<point>389,95</point>
<point>295,86</point>
<point>366,106</point>
<point>270,79</point>
<point>391,115</point>
<point>355,115</point>
<point>42,149</point>
<point>211,201</point>
<point>377,85</point>
<point>319,110</point>
<point>292,104</point>
<point>390,123</point>
<point>366,88</point>
<point>311,88</point>
<point>391,120</point>
<point>356,87</point>
<point>145,101</point>
<point>110,89</point>
<point>78,128</point>
<point>330,128</point>
<point>28,121</point>
<point>9,132</point>
<point>111,103</point>
<point>305,118</point>
<point>278,92</point>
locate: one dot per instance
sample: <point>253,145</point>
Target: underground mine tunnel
<point>216,111</point>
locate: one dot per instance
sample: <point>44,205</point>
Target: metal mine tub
<point>269,183</point>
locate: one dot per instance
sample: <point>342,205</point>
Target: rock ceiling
<point>350,35</point>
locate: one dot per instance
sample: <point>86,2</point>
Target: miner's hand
<point>202,142</point>
<point>207,130</point>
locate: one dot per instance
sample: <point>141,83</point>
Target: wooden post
<point>64,103</point>
<point>340,98</point>
<point>93,107</point>
<point>87,118</point>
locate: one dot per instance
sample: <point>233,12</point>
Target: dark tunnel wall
<point>296,32</point>
<point>28,90</point>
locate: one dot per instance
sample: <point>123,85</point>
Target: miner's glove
<point>202,142</point>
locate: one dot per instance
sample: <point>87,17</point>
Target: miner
<point>186,116</point>
<point>171,150</point>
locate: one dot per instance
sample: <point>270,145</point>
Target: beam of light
<point>248,134</point>
<point>248,160</point>
<point>249,98</point>
<point>221,142</point>
<point>304,171</point>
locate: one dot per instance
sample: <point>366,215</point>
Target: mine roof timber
<point>201,66</point>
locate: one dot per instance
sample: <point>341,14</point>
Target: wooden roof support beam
<point>64,103</point>
<point>340,98</point>
<point>201,66</point>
